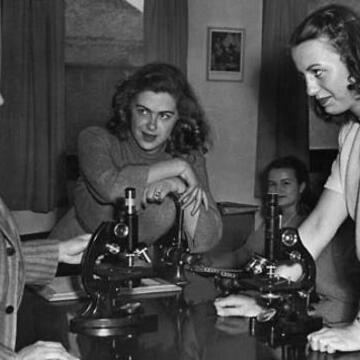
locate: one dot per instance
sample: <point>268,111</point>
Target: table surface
<point>185,327</point>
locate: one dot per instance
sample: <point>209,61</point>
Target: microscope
<point>286,303</point>
<point>174,255</point>
<point>109,272</point>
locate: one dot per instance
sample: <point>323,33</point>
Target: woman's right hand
<point>45,350</point>
<point>291,272</point>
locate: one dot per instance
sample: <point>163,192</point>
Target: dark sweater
<point>108,166</point>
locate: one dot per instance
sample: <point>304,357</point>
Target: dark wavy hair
<point>191,131</point>
<point>341,26</point>
<point>301,171</point>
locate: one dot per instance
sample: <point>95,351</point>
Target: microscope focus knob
<point>121,230</point>
<point>289,237</point>
<point>113,248</point>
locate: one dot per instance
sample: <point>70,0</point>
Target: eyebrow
<point>161,111</point>
<point>312,66</point>
<point>282,179</point>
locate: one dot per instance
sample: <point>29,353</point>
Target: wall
<point>232,107</point>
<point>103,42</point>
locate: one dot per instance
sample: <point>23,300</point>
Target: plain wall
<point>232,107</point>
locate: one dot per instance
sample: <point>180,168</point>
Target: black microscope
<point>109,271</point>
<point>287,304</point>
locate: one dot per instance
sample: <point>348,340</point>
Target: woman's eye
<point>165,116</point>
<point>142,111</point>
<point>318,73</point>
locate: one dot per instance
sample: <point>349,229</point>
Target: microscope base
<point>126,326</point>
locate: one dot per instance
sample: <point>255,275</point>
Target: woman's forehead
<point>282,173</point>
<point>315,51</point>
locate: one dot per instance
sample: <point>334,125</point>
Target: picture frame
<point>225,54</point>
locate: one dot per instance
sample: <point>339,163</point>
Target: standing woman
<point>325,48</point>
<point>155,142</point>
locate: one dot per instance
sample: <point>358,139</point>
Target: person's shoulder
<point>348,128</point>
<point>94,130</point>
<point>96,134</point>
<point>194,156</point>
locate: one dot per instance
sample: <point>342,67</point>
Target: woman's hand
<point>336,339</point>
<point>196,197</point>
<point>194,193</point>
<point>291,272</point>
<point>176,168</point>
<point>237,305</point>
<point>157,191</point>
<point>71,251</point>
<point>45,350</point>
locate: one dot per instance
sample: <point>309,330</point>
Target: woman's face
<point>326,76</point>
<point>284,182</point>
<point>153,117</point>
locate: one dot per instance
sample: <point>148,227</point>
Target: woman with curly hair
<point>155,142</point>
<point>325,48</point>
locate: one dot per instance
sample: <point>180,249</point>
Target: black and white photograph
<point>225,54</point>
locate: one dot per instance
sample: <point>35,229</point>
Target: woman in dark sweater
<point>155,142</point>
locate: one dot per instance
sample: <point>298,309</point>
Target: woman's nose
<point>312,87</point>
<point>152,123</point>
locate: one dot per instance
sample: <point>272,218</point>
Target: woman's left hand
<point>196,196</point>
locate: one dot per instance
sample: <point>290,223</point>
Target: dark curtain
<point>166,31</point>
<point>283,104</point>
<point>32,118</point>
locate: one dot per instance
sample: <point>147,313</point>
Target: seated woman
<point>155,142</point>
<point>288,176</point>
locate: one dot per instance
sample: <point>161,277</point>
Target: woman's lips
<point>323,101</point>
<point>149,137</point>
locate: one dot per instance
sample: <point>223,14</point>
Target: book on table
<point>71,288</point>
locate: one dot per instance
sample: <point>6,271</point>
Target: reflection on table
<point>186,328</point>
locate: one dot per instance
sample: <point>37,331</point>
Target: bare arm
<point>321,225</point>
<point>318,229</point>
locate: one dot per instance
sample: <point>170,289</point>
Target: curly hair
<point>302,176</point>
<point>341,27</point>
<point>191,131</point>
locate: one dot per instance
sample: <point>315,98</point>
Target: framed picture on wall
<point>225,54</point>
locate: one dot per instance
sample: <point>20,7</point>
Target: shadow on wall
<point>320,168</point>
